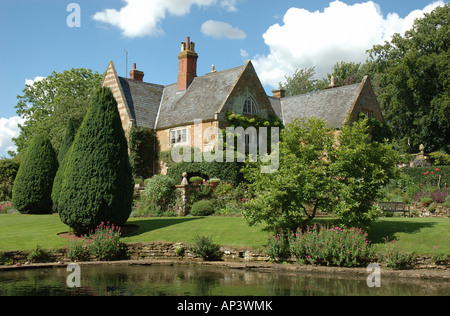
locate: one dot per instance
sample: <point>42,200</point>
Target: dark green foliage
<point>98,184</point>
<point>159,192</point>
<point>429,175</point>
<point>69,136</point>
<point>142,151</point>
<point>230,172</point>
<point>205,247</point>
<point>202,208</point>
<point>33,184</point>
<point>8,172</point>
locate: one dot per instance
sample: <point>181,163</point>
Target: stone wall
<point>163,250</point>
<point>424,211</point>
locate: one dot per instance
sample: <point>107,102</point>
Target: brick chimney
<point>187,65</point>
<point>279,94</point>
<point>136,74</point>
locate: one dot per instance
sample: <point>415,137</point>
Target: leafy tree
<point>142,151</point>
<point>414,84</point>
<point>316,174</point>
<point>301,82</point>
<point>344,73</point>
<point>361,167</point>
<point>33,184</point>
<point>97,185</point>
<point>63,156</point>
<point>8,172</point>
<point>47,104</point>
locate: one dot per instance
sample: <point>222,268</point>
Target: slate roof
<point>332,105</point>
<point>202,100</point>
<point>143,100</point>
<point>158,106</point>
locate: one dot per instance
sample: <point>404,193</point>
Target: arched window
<point>250,106</point>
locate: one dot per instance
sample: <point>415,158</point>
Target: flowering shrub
<point>396,258</point>
<point>277,247</point>
<point>77,250</point>
<point>104,244</point>
<point>5,206</point>
<point>342,247</point>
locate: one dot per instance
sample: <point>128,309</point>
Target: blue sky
<point>278,36</point>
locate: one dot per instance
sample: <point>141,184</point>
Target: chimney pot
<point>187,65</point>
<point>136,74</point>
<point>279,94</point>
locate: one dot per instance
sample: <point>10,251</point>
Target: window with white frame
<point>250,106</point>
<point>179,136</point>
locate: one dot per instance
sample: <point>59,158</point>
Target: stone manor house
<point>172,109</point>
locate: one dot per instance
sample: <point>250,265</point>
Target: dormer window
<point>250,106</point>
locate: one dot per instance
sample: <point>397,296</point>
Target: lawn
<point>24,232</point>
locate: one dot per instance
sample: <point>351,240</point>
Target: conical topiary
<point>33,184</point>
<point>69,136</point>
<point>97,185</point>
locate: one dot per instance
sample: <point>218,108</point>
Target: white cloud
<point>244,54</point>
<point>31,82</point>
<point>9,129</point>
<point>340,32</point>
<point>144,17</point>
<point>218,29</point>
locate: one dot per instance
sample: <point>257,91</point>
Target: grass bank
<point>24,232</point>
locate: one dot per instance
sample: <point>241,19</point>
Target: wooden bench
<point>395,207</point>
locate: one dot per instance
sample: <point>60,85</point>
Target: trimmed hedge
<point>8,172</point>
<point>225,171</point>
<point>98,183</point>
<point>63,155</point>
<point>202,208</point>
<point>34,181</point>
<point>431,176</point>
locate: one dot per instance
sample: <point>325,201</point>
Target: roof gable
<point>202,100</point>
<point>332,105</point>
<point>143,100</point>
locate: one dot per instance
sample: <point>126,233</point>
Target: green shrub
<point>39,255</point>
<point>142,151</point>
<point>396,258</point>
<point>342,247</point>
<point>196,179</point>
<point>204,247</point>
<point>8,172</point>
<point>230,172</point>
<point>429,176</point>
<point>34,181</point>
<point>440,159</point>
<point>78,250</point>
<point>277,247</point>
<point>104,243</point>
<point>98,184</point>
<point>159,195</point>
<point>65,152</point>
<point>202,208</point>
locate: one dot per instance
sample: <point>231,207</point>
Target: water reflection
<point>123,280</point>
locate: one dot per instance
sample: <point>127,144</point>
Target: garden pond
<point>192,280</point>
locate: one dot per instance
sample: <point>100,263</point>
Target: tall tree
<point>301,82</point>
<point>98,184</point>
<point>316,175</point>
<point>47,104</point>
<point>414,85</point>
<point>63,156</point>
<point>344,73</point>
<point>33,184</point>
